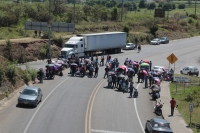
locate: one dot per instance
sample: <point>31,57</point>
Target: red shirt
<point>173,103</point>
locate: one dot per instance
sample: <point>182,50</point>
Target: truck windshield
<point>70,46</point>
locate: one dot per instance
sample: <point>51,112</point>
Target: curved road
<point>64,108</point>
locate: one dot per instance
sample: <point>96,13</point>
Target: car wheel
<point>41,99</point>
<point>181,72</point>
<point>146,130</point>
<point>197,74</point>
<point>35,105</point>
<point>189,73</point>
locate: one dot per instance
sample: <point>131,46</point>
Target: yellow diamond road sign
<point>172,58</point>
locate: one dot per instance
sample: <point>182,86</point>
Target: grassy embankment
<point>129,18</point>
<point>184,94</point>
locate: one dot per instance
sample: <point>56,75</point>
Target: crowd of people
<point>121,76</point>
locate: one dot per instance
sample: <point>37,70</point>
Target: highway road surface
<point>84,105</point>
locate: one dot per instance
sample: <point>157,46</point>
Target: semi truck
<point>88,44</point>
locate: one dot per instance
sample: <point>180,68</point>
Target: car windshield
<point>29,92</point>
<point>162,38</point>
<point>155,39</point>
<point>156,68</point>
<point>128,44</point>
<point>161,125</point>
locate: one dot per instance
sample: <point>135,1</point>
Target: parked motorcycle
<point>155,95</point>
<point>158,108</point>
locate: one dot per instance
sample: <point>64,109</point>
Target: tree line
<point>92,10</point>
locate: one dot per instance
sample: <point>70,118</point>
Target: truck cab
<point>74,47</point>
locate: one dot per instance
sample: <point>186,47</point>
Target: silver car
<point>155,41</point>
<point>130,46</point>
<point>157,125</point>
<point>31,95</point>
<point>190,70</point>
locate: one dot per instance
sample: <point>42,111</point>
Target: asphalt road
<point>64,108</point>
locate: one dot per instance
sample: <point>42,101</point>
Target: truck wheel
<point>115,50</point>
<point>119,50</point>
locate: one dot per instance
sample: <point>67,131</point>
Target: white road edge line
<point>25,130</point>
<point>136,110</point>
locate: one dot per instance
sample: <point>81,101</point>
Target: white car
<point>130,46</point>
<point>159,69</point>
<point>155,41</point>
<point>190,70</point>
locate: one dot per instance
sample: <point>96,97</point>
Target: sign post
<point>191,106</point>
<point>172,59</point>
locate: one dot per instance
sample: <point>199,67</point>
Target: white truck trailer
<point>87,44</point>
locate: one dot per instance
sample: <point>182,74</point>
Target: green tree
<point>95,16</point>
<point>114,14</point>
<point>126,29</point>
<point>142,4</point>
<point>104,14</point>
<point>87,10</point>
<point>151,5</point>
<point>160,4</point>
<point>153,29</point>
<point>181,6</point>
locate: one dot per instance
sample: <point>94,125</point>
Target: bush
<point>197,24</point>
<point>183,22</point>
<point>45,35</point>
<point>26,76</point>
<point>12,72</point>
<point>190,21</point>
<point>2,75</point>
<point>43,51</point>
<point>33,74</point>
<point>153,29</point>
<point>59,41</point>
<point>126,29</point>
<point>193,16</point>
<point>181,6</point>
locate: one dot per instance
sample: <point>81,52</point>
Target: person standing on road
<point>106,72</point>
<point>173,104</point>
<point>150,65</point>
<point>139,48</point>
<point>102,61</point>
<point>131,90</point>
<point>109,81</point>
<point>107,59</point>
<point>96,71</point>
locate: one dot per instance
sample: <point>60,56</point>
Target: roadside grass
<point>184,94</point>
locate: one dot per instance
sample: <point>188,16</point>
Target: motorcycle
<point>158,108</point>
<point>155,95</point>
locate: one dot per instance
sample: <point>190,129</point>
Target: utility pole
<point>122,9</point>
<point>168,10</point>
<point>49,28</point>
<point>195,10</point>
<point>74,11</point>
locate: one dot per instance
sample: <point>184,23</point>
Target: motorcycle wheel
<point>159,112</point>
